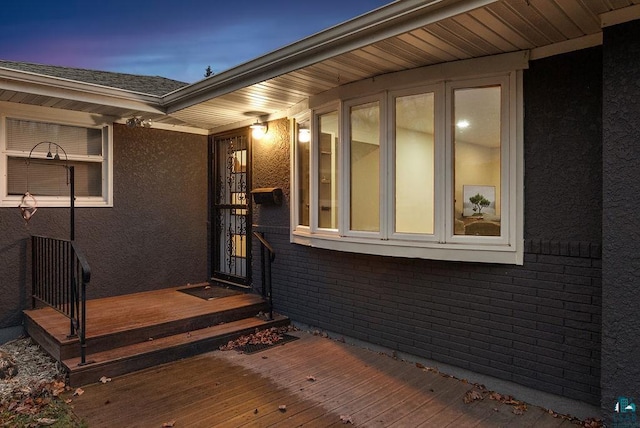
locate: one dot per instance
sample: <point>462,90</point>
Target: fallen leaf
<point>105,379</point>
<point>46,421</point>
<point>346,419</point>
<point>472,395</point>
<point>255,412</point>
<point>420,366</point>
<point>282,408</point>
<point>311,378</point>
<point>78,392</point>
<point>169,424</point>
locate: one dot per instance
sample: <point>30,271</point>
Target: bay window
<point>430,170</point>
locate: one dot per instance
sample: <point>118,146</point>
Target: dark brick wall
<point>621,235</point>
<point>536,324</point>
<point>154,236</point>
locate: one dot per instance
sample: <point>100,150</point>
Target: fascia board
<point>37,84</point>
<point>388,21</point>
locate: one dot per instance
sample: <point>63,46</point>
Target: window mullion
<point>386,193</point>
<point>445,210</point>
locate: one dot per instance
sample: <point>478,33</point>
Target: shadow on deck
<point>141,330</point>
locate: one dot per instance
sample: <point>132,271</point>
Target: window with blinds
<point>37,155</point>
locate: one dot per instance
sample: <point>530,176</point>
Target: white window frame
<point>58,117</point>
<point>508,248</point>
<point>345,213</point>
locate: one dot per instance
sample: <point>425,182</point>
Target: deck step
<point>152,352</point>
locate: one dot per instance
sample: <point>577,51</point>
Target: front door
<point>231,209</point>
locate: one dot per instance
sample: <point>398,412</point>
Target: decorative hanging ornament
<point>28,206</point>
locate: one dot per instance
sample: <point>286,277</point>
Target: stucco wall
<point>621,234</point>
<point>563,147</point>
<point>154,236</point>
<point>271,169</point>
<point>536,324</point>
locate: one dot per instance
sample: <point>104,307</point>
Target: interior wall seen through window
<point>414,164</point>
<point>365,167</point>
<point>477,147</point>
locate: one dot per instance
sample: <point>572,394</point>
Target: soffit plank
<point>447,31</point>
<point>439,53</point>
<point>417,55</point>
<point>497,24</point>
<point>587,21</point>
<point>485,31</point>
<point>473,36</point>
<point>6,95</point>
<point>547,17</point>
<point>515,19</point>
<point>542,22</point>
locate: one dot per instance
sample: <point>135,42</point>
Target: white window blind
<point>28,167</point>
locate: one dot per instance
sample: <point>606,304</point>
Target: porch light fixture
<point>304,135</point>
<point>258,130</point>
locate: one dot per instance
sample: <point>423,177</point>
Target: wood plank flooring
<point>123,313</point>
<point>229,389</point>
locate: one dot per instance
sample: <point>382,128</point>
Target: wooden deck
<point>229,389</point>
<point>136,331</point>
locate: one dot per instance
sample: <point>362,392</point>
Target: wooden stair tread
<point>111,315</point>
<point>163,343</point>
<point>133,332</point>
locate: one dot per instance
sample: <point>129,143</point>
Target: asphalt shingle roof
<point>152,85</point>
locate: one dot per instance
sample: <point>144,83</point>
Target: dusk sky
<point>177,39</point>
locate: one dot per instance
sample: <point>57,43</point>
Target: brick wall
<point>537,324</point>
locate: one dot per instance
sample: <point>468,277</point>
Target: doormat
<point>252,349</point>
<point>209,292</point>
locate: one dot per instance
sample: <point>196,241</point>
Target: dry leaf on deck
<point>311,378</point>
<point>472,395</point>
<point>78,392</point>
<point>105,379</point>
<point>282,408</point>
<point>346,419</point>
<point>169,424</point>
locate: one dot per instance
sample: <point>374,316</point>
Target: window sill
<point>56,202</point>
<point>501,254</point>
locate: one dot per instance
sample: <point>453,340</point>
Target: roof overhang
<point>403,35</point>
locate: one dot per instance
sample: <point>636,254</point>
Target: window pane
<point>477,140</point>
<point>414,164</point>
<point>365,167</point>
<point>327,170</point>
<point>50,178</point>
<point>25,134</point>
<point>302,139</point>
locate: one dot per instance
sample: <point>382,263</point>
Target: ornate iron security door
<point>231,176</point>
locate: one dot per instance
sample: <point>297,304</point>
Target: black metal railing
<point>265,269</point>
<point>59,277</point>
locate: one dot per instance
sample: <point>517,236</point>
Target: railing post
<point>265,269</point>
